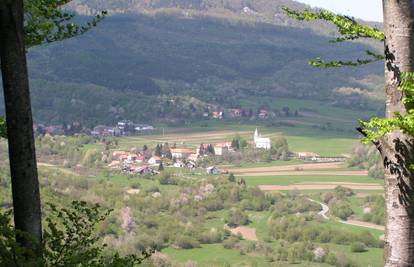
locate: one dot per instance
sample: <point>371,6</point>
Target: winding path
<point>325,210</point>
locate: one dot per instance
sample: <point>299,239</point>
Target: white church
<point>261,142</point>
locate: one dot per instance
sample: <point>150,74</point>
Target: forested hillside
<point>208,50</point>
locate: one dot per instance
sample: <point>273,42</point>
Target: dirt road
<point>325,210</point>
<point>247,233</point>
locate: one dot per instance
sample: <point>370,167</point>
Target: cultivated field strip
<point>320,186</point>
<point>302,173</point>
<point>302,167</point>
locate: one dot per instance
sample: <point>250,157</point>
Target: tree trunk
<point>397,149</point>
<point>25,185</point>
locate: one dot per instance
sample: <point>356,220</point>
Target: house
<point>217,114</point>
<point>132,157</point>
<point>116,155</point>
<point>55,130</point>
<point>180,153</point>
<point>263,114</point>
<point>125,125</point>
<point>215,170</point>
<point>191,164</point>
<point>143,127</point>
<point>178,164</point>
<point>102,130</point>
<point>140,158</point>
<point>235,112</point>
<point>193,157</point>
<point>261,142</point>
<point>221,148</point>
<point>154,160</point>
<point>306,155</point>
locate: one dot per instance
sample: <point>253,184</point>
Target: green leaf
<point>348,28</point>
<point>46,22</point>
<point>3,128</point>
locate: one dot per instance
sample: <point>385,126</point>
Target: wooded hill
<point>208,49</point>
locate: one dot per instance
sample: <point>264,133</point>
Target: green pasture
<point>213,255</point>
<point>372,258</point>
<point>288,180</point>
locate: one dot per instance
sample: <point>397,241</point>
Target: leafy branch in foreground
<point>319,63</point>
<point>69,239</point>
<point>46,21</point>
<point>376,128</point>
<point>3,129</point>
<point>348,28</point>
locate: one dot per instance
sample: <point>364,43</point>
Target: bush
<point>237,217</point>
<point>342,209</point>
<point>231,242</point>
<point>135,185</point>
<point>358,247</point>
<point>166,178</point>
<point>186,242</point>
<point>341,192</point>
<point>211,237</point>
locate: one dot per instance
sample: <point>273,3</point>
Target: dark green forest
<point>126,67</point>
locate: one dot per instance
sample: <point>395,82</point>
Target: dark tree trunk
<point>25,185</point>
<point>397,149</point>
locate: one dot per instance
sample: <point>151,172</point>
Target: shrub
<point>358,247</point>
<point>166,178</point>
<point>341,192</point>
<point>211,237</point>
<point>237,217</point>
<point>342,210</point>
<point>186,242</point>
<point>231,242</point>
<point>135,185</point>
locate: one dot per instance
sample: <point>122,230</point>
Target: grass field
<point>213,255</point>
<point>301,138</point>
<point>288,180</point>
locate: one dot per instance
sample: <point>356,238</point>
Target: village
<point>140,163</point>
<point>151,162</point>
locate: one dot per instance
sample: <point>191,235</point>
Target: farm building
<point>222,148</point>
<point>181,153</point>
<point>154,160</point>
<point>215,170</point>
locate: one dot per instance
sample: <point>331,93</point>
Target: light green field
<point>288,180</point>
<point>216,255</point>
<point>372,258</point>
<point>302,138</point>
<point>213,255</point>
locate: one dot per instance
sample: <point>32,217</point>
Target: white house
<point>180,153</point>
<point>221,149</point>
<point>261,142</point>
<point>154,160</point>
